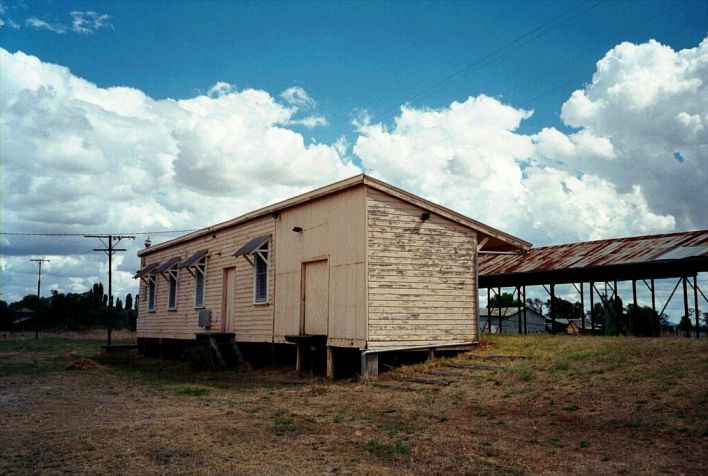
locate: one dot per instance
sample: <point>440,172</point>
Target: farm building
<point>513,320</point>
<point>358,265</point>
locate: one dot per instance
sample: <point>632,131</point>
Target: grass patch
<point>193,391</point>
<point>387,451</point>
<point>484,423</point>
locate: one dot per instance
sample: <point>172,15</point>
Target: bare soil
<point>560,405</point>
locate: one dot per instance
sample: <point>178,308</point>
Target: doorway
<point>227,304</point>
<point>315,297</point>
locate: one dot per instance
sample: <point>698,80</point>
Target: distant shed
<point>356,264</point>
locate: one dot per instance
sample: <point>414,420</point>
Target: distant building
<point>490,321</point>
<point>23,319</point>
<point>575,327</point>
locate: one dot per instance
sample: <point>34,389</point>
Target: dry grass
<point>579,405</point>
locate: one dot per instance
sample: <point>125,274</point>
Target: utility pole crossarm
<point>110,250</point>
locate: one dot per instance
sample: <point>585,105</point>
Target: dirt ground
<point>564,405</point>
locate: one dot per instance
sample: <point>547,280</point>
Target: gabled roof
<point>497,240</point>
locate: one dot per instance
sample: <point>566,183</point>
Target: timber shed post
<point>330,362</point>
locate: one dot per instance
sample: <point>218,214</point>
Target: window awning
<point>252,245</point>
<point>146,270</point>
<point>168,264</point>
<point>194,259</point>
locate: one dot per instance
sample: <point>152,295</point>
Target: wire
<point>165,232</point>
<point>493,56</point>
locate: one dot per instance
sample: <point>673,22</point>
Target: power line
<point>166,232</point>
<point>504,50</point>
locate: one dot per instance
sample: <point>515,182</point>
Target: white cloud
<point>81,22</point>
<point>470,157</point>
<point>40,24</point>
<point>78,157</point>
<point>220,88</point>
<point>297,96</point>
<point>650,102</point>
<point>89,22</point>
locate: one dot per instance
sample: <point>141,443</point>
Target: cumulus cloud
<point>469,156</point>
<point>78,157</point>
<point>650,102</point>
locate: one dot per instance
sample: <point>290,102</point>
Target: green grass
<point>193,391</point>
<point>387,451</point>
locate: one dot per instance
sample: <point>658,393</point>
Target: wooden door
<point>227,305</point>
<point>316,297</point>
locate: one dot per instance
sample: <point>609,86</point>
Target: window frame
<point>172,276</point>
<point>259,254</point>
<point>151,292</point>
<point>200,268</point>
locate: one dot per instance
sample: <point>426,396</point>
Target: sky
<point>554,121</point>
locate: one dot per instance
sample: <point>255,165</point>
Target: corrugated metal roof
<point>619,251</point>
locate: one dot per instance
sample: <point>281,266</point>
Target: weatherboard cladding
<point>394,279</point>
<point>613,252</point>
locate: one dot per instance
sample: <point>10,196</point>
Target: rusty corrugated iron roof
<point>586,254</point>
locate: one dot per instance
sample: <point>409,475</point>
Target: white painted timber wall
<point>251,322</point>
<point>333,228</point>
<point>421,276</point>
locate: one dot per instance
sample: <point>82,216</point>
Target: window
<point>172,289</point>
<point>199,278</point>
<point>151,292</point>
<point>260,274</point>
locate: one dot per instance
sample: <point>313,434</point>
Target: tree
<point>563,309</point>
<point>685,325</point>
<point>645,321</point>
<point>505,300</point>
<point>119,305</point>
<point>129,302</point>
<point>5,317</point>
<point>535,304</point>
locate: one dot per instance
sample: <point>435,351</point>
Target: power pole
<point>39,261</point>
<point>109,249</point>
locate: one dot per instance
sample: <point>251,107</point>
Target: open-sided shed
<point>357,264</point>
<point>639,259</point>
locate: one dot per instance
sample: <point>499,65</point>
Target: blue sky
<point>554,121</point>
<point>356,56</point>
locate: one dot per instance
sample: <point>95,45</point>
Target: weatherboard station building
<point>358,266</point>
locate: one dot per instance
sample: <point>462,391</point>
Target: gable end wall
<point>421,276</point>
